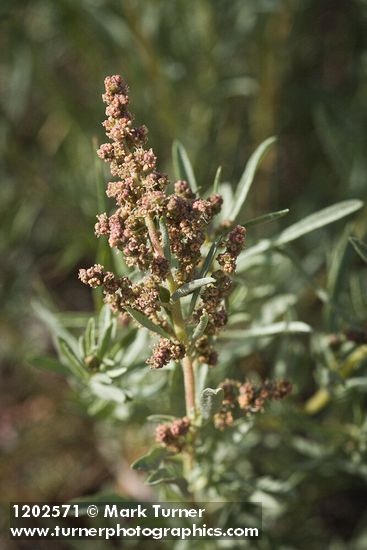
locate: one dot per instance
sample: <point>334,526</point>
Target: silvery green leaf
<point>117,372</point>
<point>134,353</point>
<point>165,240</point>
<point>201,373</point>
<point>210,402</point>
<point>176,395</point>
<point>145,322</point>
<point>276,307</point>
<point>151,460</point>
<point>90,333</point>
<point>50,364</point>
<point>182,165</point>
<point>190,287</point>
<point>360,247</point>
<point>217,179</point>
<point>107,392</point>
<point>201,326</point>
<point>73,362</point>
<point>266,218</point>
<point>104,321</point>
<point>318,219</point>
<point>247,177</point>
<point>249,253</point>
<point>226,191</point>
<point>204,270</point>
<point>163,475</point>
<point>320,292</point>
<point>54,325</point>
<point>161,418</point>
<point>105,341</point>
<point>164,294</point>
<point>283,327</point>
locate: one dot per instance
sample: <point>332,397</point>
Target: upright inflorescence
<point>142,205</point>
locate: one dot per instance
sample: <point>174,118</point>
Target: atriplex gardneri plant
<point>162,236</point>
<point>187,250</point>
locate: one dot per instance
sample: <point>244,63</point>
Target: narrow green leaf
<point>360,247</point>
<point>104,321</point>
<point>318,219</point>
<point>163,475</point>
<point>182,165</point>
<point>107,392</point>
<point>210,402</point>
<point>134,353</point>
<point>151,460</point>
<point>73,362</point>
<point>226,191</point>
<point>54,325</point>
<point>203,272</point>
<point>164,294</point>
<point>49,364</point>
<point>105,342</point>
<point>217,179</point>
<point>266,218</point>
<point>146,322</point>
<point>116,372</point>
<point>319,291</point>
<point>188,288</point>
<point>165,240</point>
<point>248,175</point>
<point>201,374</point>
<point>283,327</point>
<point>338,273</point>
<point>160,418</point>
<point>244,259</point>
<point>200,328</point>
<point>90,336</point>
<point>176,395</point>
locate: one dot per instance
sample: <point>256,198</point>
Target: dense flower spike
<point>140,194</point>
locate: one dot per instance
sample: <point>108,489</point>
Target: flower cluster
<point>240,399</point>
<point>164,352</point>
<point>234,245</point>
<point>121,292</point>
<point>142,205</point>
<point>173,435</point>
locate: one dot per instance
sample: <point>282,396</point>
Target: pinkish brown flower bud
<point>102,226</point>
<point>180,426</point>
<point>164,352</point>
<point>92,276</point>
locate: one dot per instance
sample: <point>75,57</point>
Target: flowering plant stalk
<point>171,238</point>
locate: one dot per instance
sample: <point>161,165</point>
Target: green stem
<point>178,324</point>
<point>189,380</point>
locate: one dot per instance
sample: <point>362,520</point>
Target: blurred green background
<point>218,75</point>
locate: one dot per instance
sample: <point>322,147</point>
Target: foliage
<point>263,319</point>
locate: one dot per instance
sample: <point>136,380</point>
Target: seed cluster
<point>173,435</point>
<point>142,202</point>
<point>164,352</point>
<point>240,399</point>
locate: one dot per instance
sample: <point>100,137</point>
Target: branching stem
<point>178,323</point>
